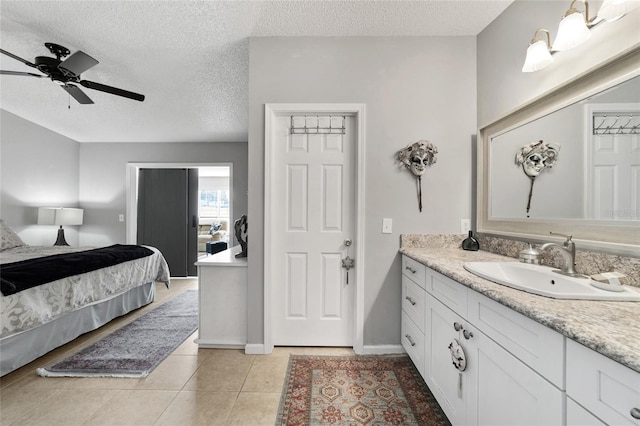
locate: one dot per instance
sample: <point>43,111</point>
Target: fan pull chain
<point>68,101</point>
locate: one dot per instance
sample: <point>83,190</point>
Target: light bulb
<point>538,57</point>
<point>572,32</point>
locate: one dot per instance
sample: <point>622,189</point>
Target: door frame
<point>272,111</point>
<point>131,223</point>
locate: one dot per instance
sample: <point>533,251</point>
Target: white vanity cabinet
<point>222,295</point>
<point>413,310</point>
<point>503,350</point>
<point>607,389</point>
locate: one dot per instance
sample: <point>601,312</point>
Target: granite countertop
<point>610,328</point>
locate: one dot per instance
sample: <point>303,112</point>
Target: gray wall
<point>414,88</point>
<point>502,87</point>
<point>103,179</point>
<point>39,168</point>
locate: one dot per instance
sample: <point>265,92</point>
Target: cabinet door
<point>606,388</point>
<point>504,391</point>
<point>446,383</point>
<point>578,416</point>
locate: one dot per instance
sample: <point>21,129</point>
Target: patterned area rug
<point>361,390</point>
<point>137,348</point>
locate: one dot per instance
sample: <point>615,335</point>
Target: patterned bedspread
<point>39,305</point>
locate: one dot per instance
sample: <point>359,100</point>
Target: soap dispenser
<point>470,243</point>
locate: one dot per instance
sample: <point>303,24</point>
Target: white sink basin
<point>541,280</point>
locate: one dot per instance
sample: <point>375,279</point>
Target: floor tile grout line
<point>31,409</point>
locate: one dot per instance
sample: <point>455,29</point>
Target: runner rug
<point>361,390</point>
<point>137,348</point>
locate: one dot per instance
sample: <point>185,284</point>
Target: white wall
<point>502,46</point>
<point>103,183</point>
<point>39,168</point>
<point>414,88</point>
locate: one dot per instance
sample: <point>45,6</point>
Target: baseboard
<point>216,344</point>
<point>382,349</point>
<point>254,349</point>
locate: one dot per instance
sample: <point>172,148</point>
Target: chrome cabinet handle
<point>410,340</point>
<point>635,413</point>
<point>413,303</point>
<point>457,326</point>
<point>467,334</point>
<point>413,271</point>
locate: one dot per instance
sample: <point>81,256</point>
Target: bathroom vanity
<point>222,296</point>
<point>496,355</point>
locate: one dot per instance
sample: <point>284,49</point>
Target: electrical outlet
<point>387,224</point>
<point>121,217</point>
<point>465,226</point>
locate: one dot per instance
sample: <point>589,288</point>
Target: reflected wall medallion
<point>416,158</point>
<point>534,159</point>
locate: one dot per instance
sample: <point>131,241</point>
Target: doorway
<point>314,199</point>
<point>204,169</point>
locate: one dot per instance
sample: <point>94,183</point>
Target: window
<point>214,203</point>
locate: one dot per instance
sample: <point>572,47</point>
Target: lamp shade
<point>572,31</point>
<point>612,10</point>
<point>538,56</point>
<point>60,216</point>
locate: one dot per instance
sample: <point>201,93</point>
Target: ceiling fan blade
<point>113,90</point>
<point>77,63</point>
<point>27,74</point>
<point>77,94</point>
<point>17,58</point>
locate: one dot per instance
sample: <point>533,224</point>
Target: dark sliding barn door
<point>167,216</point>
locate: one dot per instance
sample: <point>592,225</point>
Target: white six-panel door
<point>312,214</point>
<point>613,167</point>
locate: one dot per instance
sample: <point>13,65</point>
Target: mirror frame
<point>589,234</point>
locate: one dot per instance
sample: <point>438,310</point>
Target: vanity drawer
<point>414,270</point>
<point>603,386</point>
<point>413,342</point>
<point>451,293</point>
<point>540,347</point>
<point>413,301</point>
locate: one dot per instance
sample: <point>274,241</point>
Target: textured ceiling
<point>189,58</point>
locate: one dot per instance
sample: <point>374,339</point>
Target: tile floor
<point>192,386</point>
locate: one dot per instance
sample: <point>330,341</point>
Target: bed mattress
<point>36,306</point>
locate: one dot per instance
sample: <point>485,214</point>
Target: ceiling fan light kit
<point>66,73</point>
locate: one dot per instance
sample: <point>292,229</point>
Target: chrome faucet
<point>568,251</point>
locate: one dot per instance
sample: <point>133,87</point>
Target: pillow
<point>8,238</point>
<point>215,227</point>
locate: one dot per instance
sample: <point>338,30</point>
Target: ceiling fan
<point>66,72</point>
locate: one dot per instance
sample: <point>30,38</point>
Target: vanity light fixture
<point>573,29</point>
<point>538,55</point>
<point>612,10</point>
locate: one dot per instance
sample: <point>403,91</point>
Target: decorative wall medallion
<point>534,159</point>
<point>417,157</point>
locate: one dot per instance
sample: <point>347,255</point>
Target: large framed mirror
<point>568,162</point>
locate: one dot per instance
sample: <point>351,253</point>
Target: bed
<point>36,320</point>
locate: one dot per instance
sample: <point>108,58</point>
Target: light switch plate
<point>387,224</point>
